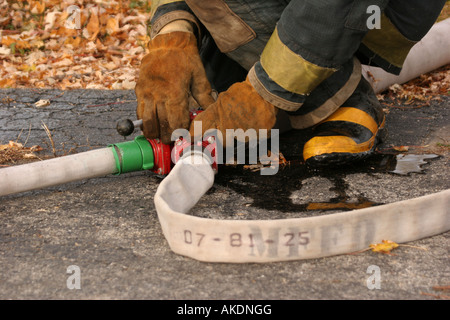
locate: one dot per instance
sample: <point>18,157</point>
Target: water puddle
<point>275,192</point>
<point>399,164</point>
<point>409,163</point>
<point>342,201</point>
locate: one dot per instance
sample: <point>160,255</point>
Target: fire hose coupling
<point>143,154</point>
<point>133,155</point>
<point>205,149</point>
<point>152,154</point>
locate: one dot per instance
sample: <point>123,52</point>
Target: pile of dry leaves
<point>15,151</point>
<point>72,44</point>
<point>423,89</point>
<point>97,44</point>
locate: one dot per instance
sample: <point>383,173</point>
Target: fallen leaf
<point>42,103</point>
<point>110,37</point>
<point>14,151</point>
<point>128,85</point>
<point>63,63</point>
<point>37,7</point>
<point>5,50</point>
<point>93,27</point>
<point>110,66</point>
<point>29,156</point>
<point>112,25</point>
<point>384,247</point>
<point>27,68</point>
<point>401,148</point>
<point>73,41</point>
<point>7,83</point>
<point>50,19</point>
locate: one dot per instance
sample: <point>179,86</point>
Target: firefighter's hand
<point>170,74</point>
<point>240,107</point>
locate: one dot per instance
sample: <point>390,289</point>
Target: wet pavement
<point>108,227</point>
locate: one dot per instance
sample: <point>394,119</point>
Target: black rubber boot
<point>351,133</point>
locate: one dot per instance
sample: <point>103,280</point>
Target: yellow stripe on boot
<point>343,148</point>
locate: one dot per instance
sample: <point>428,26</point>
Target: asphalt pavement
<point>101,239</point>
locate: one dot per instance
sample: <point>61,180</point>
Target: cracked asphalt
<point>108,226</point>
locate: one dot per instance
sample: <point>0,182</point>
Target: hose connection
<point>151,154</point>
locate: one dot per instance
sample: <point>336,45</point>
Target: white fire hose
<point>42,174</point>
<point>432,52</point>
<point>241,241</point>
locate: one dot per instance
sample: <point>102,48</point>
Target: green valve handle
<point>133,155</point>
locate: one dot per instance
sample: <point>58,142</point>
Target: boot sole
<point>343,158</point>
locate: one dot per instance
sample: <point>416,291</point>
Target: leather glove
<point>169,74</point>
<point>240,107</point>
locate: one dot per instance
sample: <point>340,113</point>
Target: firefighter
<point>271,57</point>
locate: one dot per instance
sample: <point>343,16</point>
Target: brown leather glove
<point>240,107</point>
<point>169,74</point>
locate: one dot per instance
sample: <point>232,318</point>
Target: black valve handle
<point>126,127</point>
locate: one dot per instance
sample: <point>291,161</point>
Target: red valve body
<point>163,152</point>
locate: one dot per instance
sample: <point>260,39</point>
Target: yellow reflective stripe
<point>289,70</point>
<point>343,144</point>
<point>157,3</point>
<point>388,42</point>
<point>332,104</point>
<point>330,144</point>
<point>354,115</point>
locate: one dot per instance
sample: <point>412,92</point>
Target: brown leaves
<point>37,7</point>
<point>112,26</point>
<point>14,151</point>
<point>401,148</point>
<point>94,44</point>
<point>105,49</point>
<point>93,27</point>
<point>18,44</point>
<point>424,88</point>
<point>385,247</point>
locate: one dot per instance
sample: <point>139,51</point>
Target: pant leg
<point>325,34</point>
<point>322,37</point>
<point>221,70</point>
<point>403,24</point>
<point>258,17</point>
